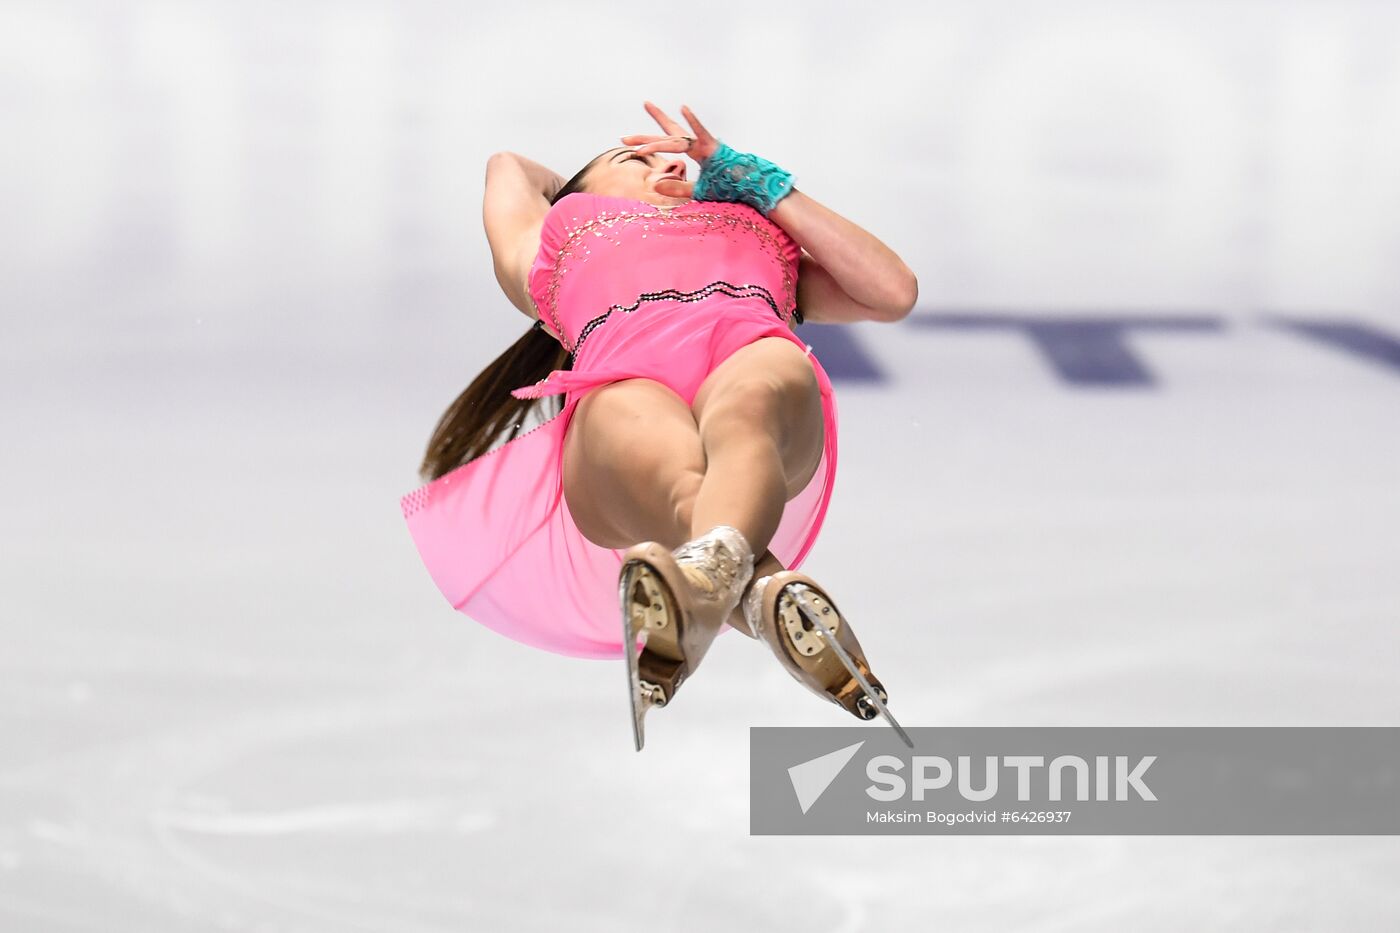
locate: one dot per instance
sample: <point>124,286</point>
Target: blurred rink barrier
<point>312,173</point>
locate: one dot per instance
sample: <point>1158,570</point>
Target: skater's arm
<point>846,273</point>
<point>516,201</point>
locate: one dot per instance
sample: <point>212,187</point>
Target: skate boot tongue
<point>718,564</point>
<point>700,580</point>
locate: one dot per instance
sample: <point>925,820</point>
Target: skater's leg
<point>761,425</point>
<point>633,463</point>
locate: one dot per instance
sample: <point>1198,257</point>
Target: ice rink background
<point>1135,453</point>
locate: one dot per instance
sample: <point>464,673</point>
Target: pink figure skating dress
<point>631,289</point>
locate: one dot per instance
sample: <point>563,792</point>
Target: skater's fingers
<point>705,144</point>
<point>665,144</point>
<point>671,127</point>
<point>701,134</point>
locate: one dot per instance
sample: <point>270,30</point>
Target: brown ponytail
<point>485,410</point>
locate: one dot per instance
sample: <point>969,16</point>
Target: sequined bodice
<point>601,255</point>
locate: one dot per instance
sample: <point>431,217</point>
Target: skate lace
<point>713,564</point>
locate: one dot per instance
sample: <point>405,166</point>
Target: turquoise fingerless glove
<point>728,175</point>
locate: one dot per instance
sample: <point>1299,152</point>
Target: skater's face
<point>622,173</point>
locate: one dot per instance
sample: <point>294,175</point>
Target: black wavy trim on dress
<point>733,291</point>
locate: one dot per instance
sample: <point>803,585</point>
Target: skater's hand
<point>701,149</point>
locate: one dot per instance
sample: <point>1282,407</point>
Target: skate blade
<point>632,653</point>
<point>642,696</point>
<point>804,602</point>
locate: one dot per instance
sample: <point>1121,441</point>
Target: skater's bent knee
<point>747,399</point>
<point>767,404</point>
<point>633,398</point>
<point>639,429</point>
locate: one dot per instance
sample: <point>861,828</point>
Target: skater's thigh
<point>771,382</point>
<point>631,445</point>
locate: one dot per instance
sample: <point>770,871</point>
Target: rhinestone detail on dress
<point>672,294</point>
<point>726,222</point>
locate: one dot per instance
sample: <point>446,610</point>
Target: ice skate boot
<point>673,605</point>
<point>796,618</point>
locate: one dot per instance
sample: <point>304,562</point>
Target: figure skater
<point>694,420</point>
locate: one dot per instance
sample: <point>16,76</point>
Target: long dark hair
<point>485,410</point>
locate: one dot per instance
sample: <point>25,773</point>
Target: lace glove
<point>728,175</point>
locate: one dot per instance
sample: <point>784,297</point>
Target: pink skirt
<point>496,535</point>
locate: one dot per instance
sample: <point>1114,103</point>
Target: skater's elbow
<point>903,296</point>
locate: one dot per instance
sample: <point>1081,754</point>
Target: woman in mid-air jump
<point>694,420</point>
